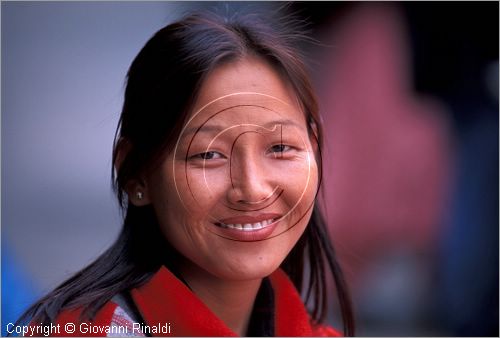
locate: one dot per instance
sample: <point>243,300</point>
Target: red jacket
<point>169,308</point>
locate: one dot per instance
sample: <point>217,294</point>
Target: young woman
<point>217,168</point>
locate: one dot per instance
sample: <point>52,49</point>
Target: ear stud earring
<point>139,195</point>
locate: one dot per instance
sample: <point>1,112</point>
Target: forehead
<point>245,91</point>
<point>244,109</point>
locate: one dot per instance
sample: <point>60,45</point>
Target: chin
<point>257,269</point>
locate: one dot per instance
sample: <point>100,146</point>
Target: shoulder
<point>111,320</point>
<point>69,322</point>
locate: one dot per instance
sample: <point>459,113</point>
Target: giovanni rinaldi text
<point>86,328</point>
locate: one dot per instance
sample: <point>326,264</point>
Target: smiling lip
<point>248,228</point>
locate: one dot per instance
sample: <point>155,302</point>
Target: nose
<point>251,180</point>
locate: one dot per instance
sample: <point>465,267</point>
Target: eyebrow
<point>218,128</point>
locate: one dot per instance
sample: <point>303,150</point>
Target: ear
<point>136,189</point>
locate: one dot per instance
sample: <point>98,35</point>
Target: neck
<point>231,301</point>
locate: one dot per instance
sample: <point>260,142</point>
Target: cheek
<point>180,220</point>
<point>184,205</point>
<point>204,188</point>
<point>300,184</point>
<point>300,194</point>
<point>171,199</point>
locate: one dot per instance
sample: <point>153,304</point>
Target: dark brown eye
<point>279,148</point>
<point>209,155</point>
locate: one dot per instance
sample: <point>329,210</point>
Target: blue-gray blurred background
<point>409,97</point>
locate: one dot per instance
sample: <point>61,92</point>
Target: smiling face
<point>237,192</point>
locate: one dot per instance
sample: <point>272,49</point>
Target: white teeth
<point>248,226</point>
<point>258,225</point>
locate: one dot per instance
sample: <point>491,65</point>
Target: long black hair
<point>162,83</point>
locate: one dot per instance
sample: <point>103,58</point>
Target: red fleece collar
<point>165,299</point>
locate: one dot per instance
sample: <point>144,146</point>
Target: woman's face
<point>237,192</point>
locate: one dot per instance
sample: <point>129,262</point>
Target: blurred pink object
<point>387,150</point>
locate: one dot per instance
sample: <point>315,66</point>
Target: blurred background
<point>409,99</point>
